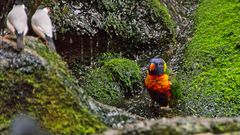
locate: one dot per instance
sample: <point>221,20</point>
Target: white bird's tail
<point>20,45</point>
<point>51,45</point>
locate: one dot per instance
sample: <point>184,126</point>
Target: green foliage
<point>117,79</point>
<point>49,94</point>
<point>125,72</point>
<point>175,86</point>
<point>4,124</point>
<point>161,12</point>
<point>211,73</point>
<point>100,85</point>
<point>104,57</point>
<point>176,89</point>
<point>80,70</point>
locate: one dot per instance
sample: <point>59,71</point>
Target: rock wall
<point>182,12</point>
<point>181,126</point>
<point>132,27</point>
<point>4,8</point>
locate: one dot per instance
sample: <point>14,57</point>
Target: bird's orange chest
<point>159,83</point>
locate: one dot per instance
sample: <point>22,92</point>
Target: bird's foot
<point>9,37</point>
<point>152,104</point>
<point>38,38</point>
<point>167,108</point>
<point>12,44</point>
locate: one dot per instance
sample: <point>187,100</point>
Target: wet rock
<point>144,21</point>
<point>180,126</point>
<point>133,27</point>
<point>182,12</point>
<point>128,25</point>
<point>36,82</point>
<point>27,61</point>
<point>112,116</point>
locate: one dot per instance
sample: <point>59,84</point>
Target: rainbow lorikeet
<point>157,82</point>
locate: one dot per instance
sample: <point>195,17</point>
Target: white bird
<point>42,26</point>
<point>17,24</point>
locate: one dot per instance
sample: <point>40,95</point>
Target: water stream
<point>182,12</point>
<point>83,49</point>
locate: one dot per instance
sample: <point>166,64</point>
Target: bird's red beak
<point>152,67</point>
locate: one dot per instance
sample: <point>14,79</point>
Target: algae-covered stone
<point>37,82</point>
<point>117,79</point>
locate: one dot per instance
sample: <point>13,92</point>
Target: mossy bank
<point>114,80</point>
<point>36,82</point>
<point>210,75</point>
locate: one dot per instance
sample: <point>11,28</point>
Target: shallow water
<point>141,105</point>
<point>182,12</point>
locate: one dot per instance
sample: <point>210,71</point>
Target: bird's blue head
<point>157,66</point>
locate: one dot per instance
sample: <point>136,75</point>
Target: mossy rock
<point>138,21</point>
<point>37,82</point>
<point>117,79</point>
<point>135,22</point>
<point>128,19</point>
<point>210,77</point>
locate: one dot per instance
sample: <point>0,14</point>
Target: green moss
<point>104,57</point>
<point>125,71</point>
<point>225,127</point>
<point>121,27</point>
<point>117,79</point>
<point>101,86</point>
<point>161,12</point>
<point>49,94</point>
<point>130,23</point>
<point>211,80</point>
<point>4,122</point>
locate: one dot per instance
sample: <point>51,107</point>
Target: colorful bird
<point>42,26</point>
<point>17,24</point>
<point>157,82</point>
